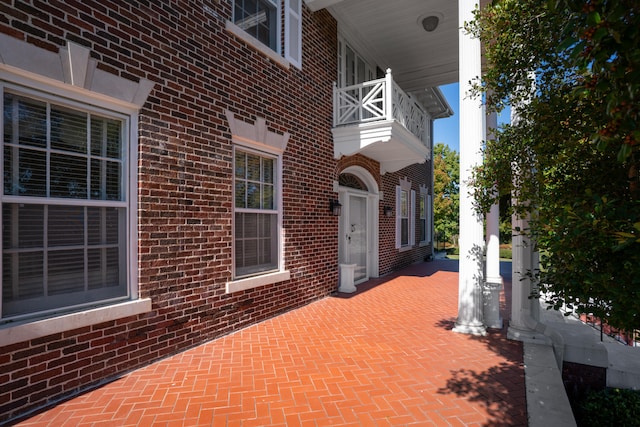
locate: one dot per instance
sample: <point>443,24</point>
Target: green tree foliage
<point>446,182</point>
<point>570,69</point>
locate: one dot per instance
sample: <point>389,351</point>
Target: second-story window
<point>264,21</point>
<point>259,18</point>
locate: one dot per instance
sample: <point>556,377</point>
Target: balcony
<point>379,120</point>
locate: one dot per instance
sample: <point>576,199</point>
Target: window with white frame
<point>64,204</point>
<point>423,218</point>
<point>405,215</point>
<point>262,21</point>
<point>425,212</point>
<point>255,213</point>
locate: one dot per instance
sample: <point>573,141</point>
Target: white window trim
<point>73,75</point>
<point>424,194</point>
<point>28,330</point>
<point>292,27</point>
<point>405,185</point>
<point>255,136</point>
<point>257,44</point>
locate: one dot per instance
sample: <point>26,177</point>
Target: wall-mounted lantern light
<point>335,207</point>
<point>388,211</point>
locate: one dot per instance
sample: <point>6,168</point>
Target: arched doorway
<point>358,238</point>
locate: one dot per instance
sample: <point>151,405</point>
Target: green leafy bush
<point>505,253</point>
<point>610,407</point>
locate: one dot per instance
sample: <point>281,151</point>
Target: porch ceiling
<point>391,34</point>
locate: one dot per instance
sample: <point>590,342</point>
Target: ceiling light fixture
<point>430,23</point>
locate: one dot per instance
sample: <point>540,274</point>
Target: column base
<point>475,329</point>
<point>491,303</point>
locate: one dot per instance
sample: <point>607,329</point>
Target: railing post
<point>336,103</point>
<point>388,110</point>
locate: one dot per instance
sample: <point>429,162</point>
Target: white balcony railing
<point>369,102</point>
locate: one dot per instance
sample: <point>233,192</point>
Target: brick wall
<point>184,178</point>
<point>390,258</point>
<point>419,174</point>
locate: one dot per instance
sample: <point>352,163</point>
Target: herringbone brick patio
<point>383,357</point>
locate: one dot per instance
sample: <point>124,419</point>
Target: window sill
<point>425,243</point>
<point>254,282</point>
<point>27,330</point>
<point>405,248</point>
<point>257,45</point>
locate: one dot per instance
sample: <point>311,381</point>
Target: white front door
<point>356,236</point>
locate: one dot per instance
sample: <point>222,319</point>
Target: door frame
<point>373,197</point>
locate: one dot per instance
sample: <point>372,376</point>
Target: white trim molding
<point>71,70</point>
<point>27,330</point>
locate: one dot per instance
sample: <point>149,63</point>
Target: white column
<point>525,311</point>
<point>472,118</point>
<point>493,281</point>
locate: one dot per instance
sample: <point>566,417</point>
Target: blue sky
<point>447,130</point>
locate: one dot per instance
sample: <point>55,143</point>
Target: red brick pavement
<point>383,357</point>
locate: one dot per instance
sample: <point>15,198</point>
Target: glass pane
<point>113,184</point>
<point>268,197</point>
<point>30,177</point>
<point>103,225</point>
<point>239,255</point>
<point>103,268</point>
<point>256,247</point>
<point>404,204</point>
<point>97,187</point>
<point>239,226</point>
<point>114,139</point>
<point>23,226</point>
<point>32,127</point>
<point>106,137</point>
<point>241,165</point>
<point>66,272</point>
<point>105,180</point>
<point>423,212</point>
<point>250,225</point>
<point>68,130</point>
<point>65,226</point>
<point>250,252</point>
<point>22,276</point>
<point>68,176</point>
<point>241,190</point>
<point>404,234</point>
<point>114,233</point>
<point>253,196</point>
<point>267,167</point>
<point>265,252</point>
<point>30,225</point>
<point>268,225</point>
<point>253,167</point>
<point>8,118</point>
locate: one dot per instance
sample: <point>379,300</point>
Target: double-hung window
<point>425,213</point>
<point>255,214</point>
<point>404,218</point>
<point>64,204</point>
<point>262,21</point>
<point>405,215</point>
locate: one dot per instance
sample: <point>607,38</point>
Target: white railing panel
<point>368,101</point>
